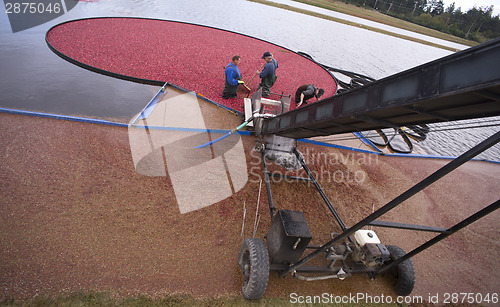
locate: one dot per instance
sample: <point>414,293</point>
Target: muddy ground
<point>76,217</point>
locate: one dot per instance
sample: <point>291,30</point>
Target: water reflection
<point>34,78</point>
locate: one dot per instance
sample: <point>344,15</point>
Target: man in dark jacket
<point>268,74</point>
<point>233,78</point>
<point>307,91</point>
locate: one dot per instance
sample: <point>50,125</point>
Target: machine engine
<point>368,248</point>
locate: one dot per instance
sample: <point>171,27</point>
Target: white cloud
<point>468,4</point>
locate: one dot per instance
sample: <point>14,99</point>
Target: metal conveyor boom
<point>463,85</point>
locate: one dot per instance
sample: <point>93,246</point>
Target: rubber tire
<point>404,272</point>
<point>254,264</point>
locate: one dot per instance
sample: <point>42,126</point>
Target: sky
<point>468,4</point>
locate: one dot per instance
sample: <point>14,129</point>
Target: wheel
<point>403,272</point>
<point>254,264</point>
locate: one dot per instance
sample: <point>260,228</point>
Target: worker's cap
<point>320,93</point>
<point>266,54</point>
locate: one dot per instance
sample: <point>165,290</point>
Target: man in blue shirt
<point>233,78</point>
<point>268,75</point>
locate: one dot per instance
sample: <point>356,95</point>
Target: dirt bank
<point>75,216</point>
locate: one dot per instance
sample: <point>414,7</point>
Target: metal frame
<point>463,85</point>
<point>433,92</point>
<point>371,220</point>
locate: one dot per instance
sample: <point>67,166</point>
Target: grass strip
<point>107,299</point>
<point>354,24</point>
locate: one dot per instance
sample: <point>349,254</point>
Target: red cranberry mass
<point>190,56</point>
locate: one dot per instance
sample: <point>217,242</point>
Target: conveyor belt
<point>463,85</point>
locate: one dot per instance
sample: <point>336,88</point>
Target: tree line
<point>477,24</point>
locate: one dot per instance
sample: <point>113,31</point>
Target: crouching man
<point>306,92</point>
